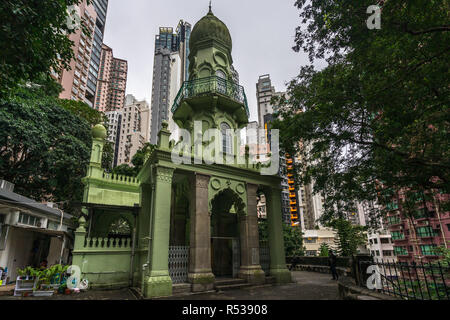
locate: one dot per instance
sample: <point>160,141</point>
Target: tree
<point>378,112</point>
<point>349,237</point>
<point>293,238</point>
<point>33,40</point>
<point>84,111</point>
<point>293,241</point>
<point>323,250</point>
<point>138,161</point>
<point>44,149</point>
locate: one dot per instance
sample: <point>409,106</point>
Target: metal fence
<point>178,263</point>
<point>416,281</point>
<point>213,84</point>
<point>264,257</point>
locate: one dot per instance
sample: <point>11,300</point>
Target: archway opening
<point>225,246</point>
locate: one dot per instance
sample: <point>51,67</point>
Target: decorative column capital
<point>164,174</point>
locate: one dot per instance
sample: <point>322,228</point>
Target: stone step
<point>270,280</point>
<point>181,288</point>
<point>232,286</point>
<point>231,281</point>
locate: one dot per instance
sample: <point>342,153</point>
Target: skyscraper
<point>75,81</point>
<point>80,83</point>
<point>134,131</point>
<point>264,93</point>
<point>114,129</point>
<point>101,8</point>
<point>170,70</point>
<point>112,82</point>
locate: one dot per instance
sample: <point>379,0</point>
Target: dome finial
<point>210,6</point>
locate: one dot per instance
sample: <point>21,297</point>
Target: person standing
<point>332,262</point>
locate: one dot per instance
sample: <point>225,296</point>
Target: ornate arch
<point>235,190</point>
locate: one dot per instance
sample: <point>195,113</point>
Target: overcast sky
<point>262,32</point>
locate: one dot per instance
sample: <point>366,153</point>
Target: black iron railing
<point>416,281</point>
<point>214,84</point>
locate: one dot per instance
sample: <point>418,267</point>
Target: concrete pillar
<point>200,273</point>
<point>278,267</point>
<point>158,282</point>
<point>250,266</point>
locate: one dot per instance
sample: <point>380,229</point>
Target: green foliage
<point>138,161</point>
<point>44,276</point>
<point>33,40</point>
<point>44,149</point>
<point>379,110</point>
<point>349,237</point>
<point>120,227</point>
<point>108,156</point>
<point>444,253</point>
<point>293,238</point>
<point>82,110</point>
<point>293,241</point>
<point>324,250</point>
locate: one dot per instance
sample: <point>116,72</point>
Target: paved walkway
<point>306,286</point>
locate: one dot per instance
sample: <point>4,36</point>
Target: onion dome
<point>210,28</point>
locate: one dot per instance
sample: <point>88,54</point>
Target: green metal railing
<point>214,84</point>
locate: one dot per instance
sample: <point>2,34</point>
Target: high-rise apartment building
<point>80,83</point>
<point>418,231</point>
<point>134,131</point>
<point>264,93</point>
<point>75,81</point>
<point>170,70</point>
<point>114,129</point>
<point>112,82</point>
<point>101,8</point>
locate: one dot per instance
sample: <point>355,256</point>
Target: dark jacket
<point>332,260</point>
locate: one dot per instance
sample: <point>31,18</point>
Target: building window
<point>29,220</point>
<point>428,250</point>
<point>227,143</point>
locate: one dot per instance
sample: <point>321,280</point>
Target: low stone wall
<point>320,269</point>
<point>104,262</point>
<point>348,290</point>
<point>343,262</point>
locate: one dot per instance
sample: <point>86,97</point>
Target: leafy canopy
<point>44,149</point>
<point>378,113</point>
<point>33,39</point>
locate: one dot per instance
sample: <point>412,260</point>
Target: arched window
<point>227,141</point>
<point>221,74</point>
<point>221,81</point>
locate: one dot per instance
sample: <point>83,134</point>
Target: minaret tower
<point>210,95</point>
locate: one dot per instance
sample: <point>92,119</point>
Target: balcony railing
<point>214,84</point>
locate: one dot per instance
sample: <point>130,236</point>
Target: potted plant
<point>25,282</point>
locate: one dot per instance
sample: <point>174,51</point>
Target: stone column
<point>250,266</point>
<point>200,273</point>
<point>278,267</point>
<point>159,283</point>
